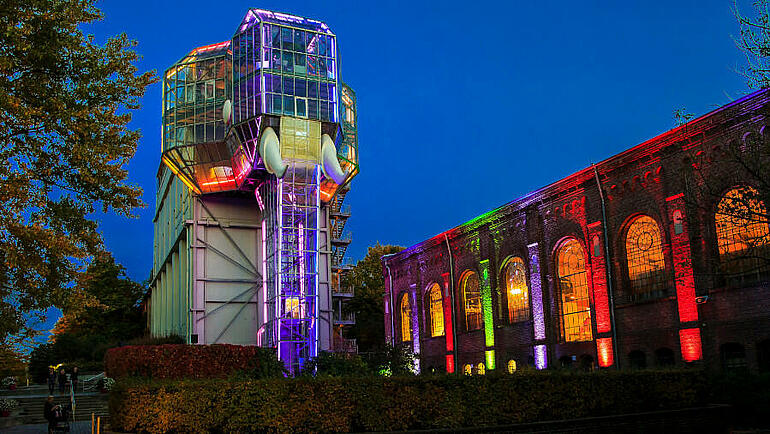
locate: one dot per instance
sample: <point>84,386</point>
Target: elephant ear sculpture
<point>270,150</point>
<point>331,165</point>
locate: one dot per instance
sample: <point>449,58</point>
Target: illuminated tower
<point>252,130</point>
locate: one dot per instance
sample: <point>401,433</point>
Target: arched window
<point>742,231</point>
<point>471,291</point>
<point>480,369</point>
<point>664,357</point>
<point>644,253</point>
<point>516,290</point>
<point>467,370</point>
<point>511,366</point>
<point>574,301</point>
<point>733,356</point>
<point>435,311</point>
<point>406,319</point>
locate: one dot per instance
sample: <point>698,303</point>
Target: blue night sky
<point>463,106</point>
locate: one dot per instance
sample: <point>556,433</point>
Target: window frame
<point>560,291</point>
<point>504,298</point>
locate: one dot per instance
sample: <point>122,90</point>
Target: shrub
<point>337,365</point>
<point>395,403</point>
<point>8,382</point>
<point>190,361</point>
<point>149,340</point>
<point>8,404</point>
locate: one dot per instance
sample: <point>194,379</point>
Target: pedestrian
<point>51,380</point>
<point>49,412</point>
<point>74,379</point>
<point>62,381</point>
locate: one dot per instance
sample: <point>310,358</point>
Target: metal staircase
<point>292,268</point>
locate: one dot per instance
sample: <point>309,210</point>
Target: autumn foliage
<point>181,361</point>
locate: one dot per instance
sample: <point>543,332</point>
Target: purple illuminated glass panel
<point>538,318</point>
<point>541,359</point>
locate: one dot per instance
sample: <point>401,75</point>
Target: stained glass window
<point>573,287</point>
<point>742,231</point>
<point>406,319</point>
<point>480,369</point>
<point>511,366</point>
<point>516,290</point>
<point>435,311</point>
<point>471,296</point>
<point>467,370</point>
<point>644,255</point>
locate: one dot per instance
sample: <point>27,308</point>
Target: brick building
<point>653,257</point>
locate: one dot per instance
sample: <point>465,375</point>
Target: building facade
<point>259,145</point>
<point>657,256</point>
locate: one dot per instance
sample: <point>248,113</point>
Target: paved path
<point>81,427</point>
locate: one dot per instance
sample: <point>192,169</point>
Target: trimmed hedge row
<point>181,361</point>
<point>384,404</point>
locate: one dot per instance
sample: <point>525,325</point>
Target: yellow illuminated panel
<point>471,292</point>
<point>300,140</point>
<point>292,307</point>
<point>573,287</point>
<point>742,228</point>
<point>511,366</point>
<point>467,370</point>
<point>436,311</point>
<point>480,369</point>
<point>406,319</point>
<point>516,291</point>
<point>644,253</point>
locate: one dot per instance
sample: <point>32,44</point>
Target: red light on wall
<point>604,352</point>
<point>689,339</point>
<point>450,364</point>
<point>447,301</point>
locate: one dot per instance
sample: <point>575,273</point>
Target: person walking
<point>51,380</point>
<point>62,381</point>
<point>49,412</point>
<point>74,379</point>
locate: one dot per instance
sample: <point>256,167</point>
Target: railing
<point>344,290</point>
<point>90,383</point>
<point>342,345</point>
<point>344,317</point>
<point>345,237</point>
<point>343,210</point>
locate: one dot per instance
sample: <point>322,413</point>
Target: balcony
<point>342,345</point>
<point>344,318</point>
<point>344,211</point>
<point>343,292</point>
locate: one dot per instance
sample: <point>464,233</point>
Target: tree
<point>754,42</point>
<point>102,311</point>
<point>105,303</point>
<point>65,104</point>
<point>367,303</point>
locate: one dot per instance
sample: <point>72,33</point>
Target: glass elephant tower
<point>259,145</point>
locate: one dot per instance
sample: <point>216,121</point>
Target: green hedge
<point>384,404</point>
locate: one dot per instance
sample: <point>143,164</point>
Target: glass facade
<point>194,92</point>
<point>285,67</point>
